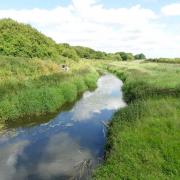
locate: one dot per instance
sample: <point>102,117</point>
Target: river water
<point>66,146</point>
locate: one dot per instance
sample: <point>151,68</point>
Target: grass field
<point>144,79</point>
<point>143,138</point>
<point>166,60</point>
<point>34,86</point>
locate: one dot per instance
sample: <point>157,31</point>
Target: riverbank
<point>35,87</point>
<point>70,144</point>
<point>143,138</point>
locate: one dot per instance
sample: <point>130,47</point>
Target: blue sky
<point>49,4</point>
<point>149,26</point>
<point>19,4</point>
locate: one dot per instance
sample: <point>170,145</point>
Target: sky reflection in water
<point>57,148</point>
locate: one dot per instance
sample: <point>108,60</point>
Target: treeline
<point>21,40</point>
<point>165,60</point>
<point>88,53</point>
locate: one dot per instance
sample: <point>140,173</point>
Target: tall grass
<point>166,60</point>
<point>144,79</point>
<point>33,86</point>
<point>143,138</point>
<point>143,141</point>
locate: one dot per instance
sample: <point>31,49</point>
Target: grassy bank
<point>34,86</point>
<point>144,79</point>
<point>143,138</point>
<point>166,60</point>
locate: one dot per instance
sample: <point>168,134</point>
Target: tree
<point>112,56</point>
<point>70,53</point>
<point>130,56</point>
<point>140,56</point>
<point>125,56</point>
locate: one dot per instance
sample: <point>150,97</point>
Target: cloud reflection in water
<point>55,149</point>
<point>62,156</point>
<point>106,97</point>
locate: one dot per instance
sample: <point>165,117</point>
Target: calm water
<point>68,145</point>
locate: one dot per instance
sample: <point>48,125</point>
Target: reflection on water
<point>67,146</point>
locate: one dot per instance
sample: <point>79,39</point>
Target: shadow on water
<point>67,145</point>
<point>30,121</point>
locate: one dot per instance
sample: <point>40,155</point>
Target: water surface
<point>68,145</point>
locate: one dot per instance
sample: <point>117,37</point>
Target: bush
<point>70,53</point>
<point>125,56</point>
<point>115,57</point>
<point>139,56</point>
<point>18,39</point>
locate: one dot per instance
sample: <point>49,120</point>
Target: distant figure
<point>65,67</point>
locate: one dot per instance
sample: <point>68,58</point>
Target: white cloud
<point>171,9</point>
<point>8,159</point>
<point>87,23</point>
<point>66,154</point>
<point>109,98</point>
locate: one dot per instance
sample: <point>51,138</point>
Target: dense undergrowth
<point>18,39</point>
<point>34,86</point>
<point>143,138</point>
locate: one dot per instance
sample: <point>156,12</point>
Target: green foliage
<point>125,56</point>
<point>18,39</point>
<point>69,91</point>
<point>67,51</point>
<point>70,53</point>
<point>21,40</point>
<point>34,86</point>
<point>88,53</point>
<point>99,55</point>
<point>143,142</point>
<point>143,138</point>
<point>81,85</point>
<point>84,52</point>
<point>115,57</point>
<point>166,60</point>
<point>140,56</point>
<point>90,80</point>
<point>130,56</point>
<point>31,102</point>
<point>147,79</point>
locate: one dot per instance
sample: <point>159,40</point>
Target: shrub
<point>18,39</point>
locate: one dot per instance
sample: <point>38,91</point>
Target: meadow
<point>143,138</point>
<point>35,87</point>
<point>166,60</point>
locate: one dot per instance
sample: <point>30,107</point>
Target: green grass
<point>143,142</point>
<point>143,138</point>
<point>34,86</point>
<point>144,79</point>
<point>18,39</point>
<point>166,60</point>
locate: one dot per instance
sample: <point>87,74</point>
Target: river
<point>67,146</point>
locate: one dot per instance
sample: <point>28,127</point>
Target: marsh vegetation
<point>142,139</point>
<point>35,86</point>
